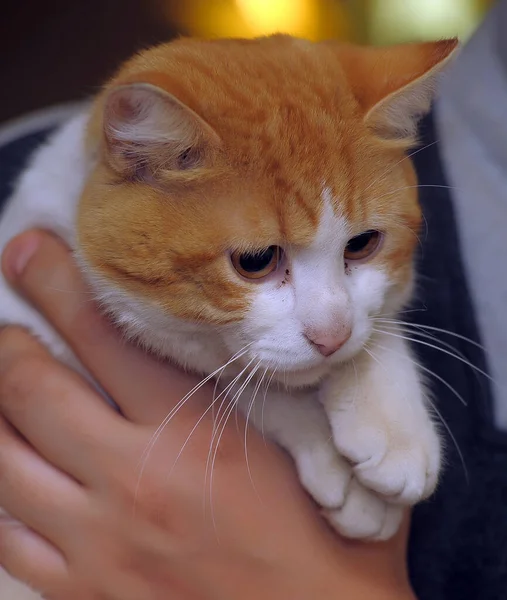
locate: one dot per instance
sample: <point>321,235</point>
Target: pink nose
<point>328,343</point>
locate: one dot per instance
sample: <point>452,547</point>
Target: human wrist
<point>307,582</point>
<point>334,576</point>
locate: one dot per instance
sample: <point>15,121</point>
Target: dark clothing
<point>458,546</point>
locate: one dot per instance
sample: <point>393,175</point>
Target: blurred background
<point>54,51</point>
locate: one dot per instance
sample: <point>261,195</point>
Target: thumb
<point>41,268</point>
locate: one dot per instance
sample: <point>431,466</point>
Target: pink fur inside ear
<point>395,116</point>
<point>147,129</point>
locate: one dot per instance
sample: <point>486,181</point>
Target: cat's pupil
<point>251,263</point>
<point>358,243</point>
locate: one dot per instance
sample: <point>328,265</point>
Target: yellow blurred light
<point>312,19</point>
<point>270,16</point>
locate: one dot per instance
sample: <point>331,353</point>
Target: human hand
<point>90,526</point>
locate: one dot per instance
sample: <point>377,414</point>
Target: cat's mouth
<point>301,372</point>
<point>303,378</point>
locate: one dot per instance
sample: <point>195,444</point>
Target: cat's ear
<point>147,129</point>
<point>395,85</point>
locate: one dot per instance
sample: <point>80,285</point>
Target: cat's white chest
<point>45,197</point>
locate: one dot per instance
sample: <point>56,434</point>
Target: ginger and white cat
<point>250,203</point>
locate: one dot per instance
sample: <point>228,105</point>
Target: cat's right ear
<point>395,85</point>
<point>147,130</point>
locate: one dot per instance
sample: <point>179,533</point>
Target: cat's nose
<point>328,343</point>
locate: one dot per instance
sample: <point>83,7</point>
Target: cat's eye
<point>363,245</point>
<point>256,265</point>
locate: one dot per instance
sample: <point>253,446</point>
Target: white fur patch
<point>46,197</point>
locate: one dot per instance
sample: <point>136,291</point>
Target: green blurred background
<point>54,51</point>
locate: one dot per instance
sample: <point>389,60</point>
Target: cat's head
<point>258,194</point>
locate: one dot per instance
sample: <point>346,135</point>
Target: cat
<point>251,203</point>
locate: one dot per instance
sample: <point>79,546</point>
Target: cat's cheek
<point>369,288</point>
<point>269,330</point>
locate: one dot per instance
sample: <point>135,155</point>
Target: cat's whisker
<point>226,417</point>
<point>435,347</point>
<point>426,370</point>
<point>426,226</point>
<point>395,223</point>
<point>451,435</point>
<point>267,386</point>
<point>146,453</point>
<point>215,390</point>
<point>228,389</point>
<point>400,312</point>
<point>232,404</point>
<point>248,413</point>
<point>413,187</point>
<point>210,407</point>
<point>376,359</point>
<point>436,411</point>
<point>353,362</point>
<point>423,334</point>
<point>433,328</point>
<point>225,392</point>
<point>197,387</point>
<point>406,157</point>
<point>424,230</point>
<point>216,419</point>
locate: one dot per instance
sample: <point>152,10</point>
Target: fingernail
<point>18,252</point>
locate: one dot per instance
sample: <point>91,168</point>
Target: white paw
<point>365,515</point>
<point>353,510</point>
<point>324,473</point>
<point>401,464</point>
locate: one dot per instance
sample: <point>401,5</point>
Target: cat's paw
<point>365,515</point>
<point>352,509</point>
<point>398,462</point>
<point>324,474</point>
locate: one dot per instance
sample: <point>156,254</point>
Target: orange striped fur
<point>278,119</point>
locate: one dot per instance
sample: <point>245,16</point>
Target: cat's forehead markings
<point>329,200</point>
<point>332,232</point>
<point>318,263</point>
<point>333,227</point>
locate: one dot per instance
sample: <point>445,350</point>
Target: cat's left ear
<point>147,131</point>
<point>395,85</point>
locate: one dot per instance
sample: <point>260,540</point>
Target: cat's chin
<point>311,375</point>
<point>301,378</point>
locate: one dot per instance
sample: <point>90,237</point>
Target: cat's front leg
<point>298,423</point>
<point>381,423</point>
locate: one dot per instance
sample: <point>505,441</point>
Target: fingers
<point>42,269</point>
<point>28,557</point>
<point>53,408</point>
<point>35,492</point>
